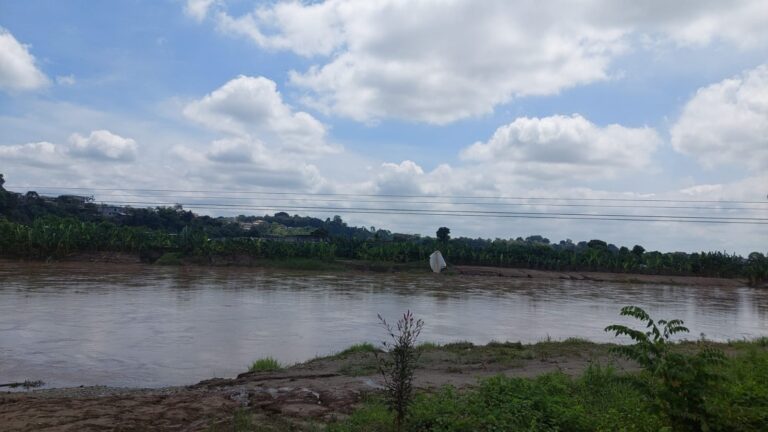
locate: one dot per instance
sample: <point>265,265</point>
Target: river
<point>72,324</point>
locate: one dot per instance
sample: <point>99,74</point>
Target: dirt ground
<point>599,276</point>
<point>315,392</point>
<point>129,259</point>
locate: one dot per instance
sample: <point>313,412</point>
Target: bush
<point>677,383</point>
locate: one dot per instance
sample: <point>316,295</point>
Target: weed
<point>397,365</point>
<point>266,364</point>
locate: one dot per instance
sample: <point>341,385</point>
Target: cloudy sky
<point>593,99</point>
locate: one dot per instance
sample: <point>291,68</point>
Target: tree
<point>638,251</point>
<point>443,234</point>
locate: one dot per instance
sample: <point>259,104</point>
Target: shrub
<point>398,363</point>
<point>677,383</point>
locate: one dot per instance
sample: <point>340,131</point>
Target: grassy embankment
<point>601,397</point>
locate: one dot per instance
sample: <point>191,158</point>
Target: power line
<point>250,192</point>
<point>472,213</point>
<point>495,204</point>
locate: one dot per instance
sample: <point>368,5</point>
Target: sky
<point>595,99</point>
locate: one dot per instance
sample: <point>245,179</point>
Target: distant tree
<point>597,244</point>
<point>443,234</point>
<point>537,239</point>
<point>320,233</point>
<point>638,250</point>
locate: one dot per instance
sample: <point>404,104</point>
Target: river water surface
<point>149,326</point>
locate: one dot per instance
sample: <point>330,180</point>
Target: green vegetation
<point>398,363</point>
<point>599,400</point>
<point>266,364</point>
<point>676,383</point>
<point>32,226</point>
<point>365,347</point>
<point>686,386</point>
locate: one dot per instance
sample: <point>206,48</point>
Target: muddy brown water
<point>72,324</point>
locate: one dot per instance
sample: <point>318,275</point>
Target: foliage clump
<point>677,383</point>
<point>398,363</point>
<point>266,364</point>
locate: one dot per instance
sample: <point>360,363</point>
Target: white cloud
<point>560,146</point>
<point>198,9</point>
<point>727,122</point>
<point>38,154</point>
<point>524,157</point>
<point>102,145</point>
<point>18,70</point>
<point>437,62</point>
<point>753,188</point>
<point>252,108</point>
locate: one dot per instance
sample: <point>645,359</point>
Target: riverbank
<point>315,265</point>
<point>305,396</point>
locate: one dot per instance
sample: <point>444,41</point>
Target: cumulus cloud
<point>727,122</point>
<point>439,62</point>
<point>102,145</point>
<point>18,69</point>
<point>252,108</point>
<point>561,145</point>
<point>550,153</point>
<point>38,154</point>
<point>198,9</point>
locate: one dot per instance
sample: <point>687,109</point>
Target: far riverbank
<point>314,265</point>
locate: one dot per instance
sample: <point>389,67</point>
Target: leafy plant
<point>677,383</point>
<point>398,362</point>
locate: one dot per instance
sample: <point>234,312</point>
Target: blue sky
<point>612,99</point>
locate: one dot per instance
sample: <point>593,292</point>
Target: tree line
<point>37,227</point>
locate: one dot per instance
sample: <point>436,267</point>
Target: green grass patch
<point>365,347</point>
<point>428,346</point>
<point>552,402</point>
<point>266,364</point>
<point>600,399</point>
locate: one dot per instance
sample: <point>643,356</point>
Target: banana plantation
<point>59,237</point>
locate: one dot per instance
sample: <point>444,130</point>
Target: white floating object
<point>437,262</point>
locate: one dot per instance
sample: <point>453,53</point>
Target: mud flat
<point>312,265</point>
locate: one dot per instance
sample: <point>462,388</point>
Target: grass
<point>600,399</point>
<point>365,347</point>
<point>266,364</point>
<point>428,346</point>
